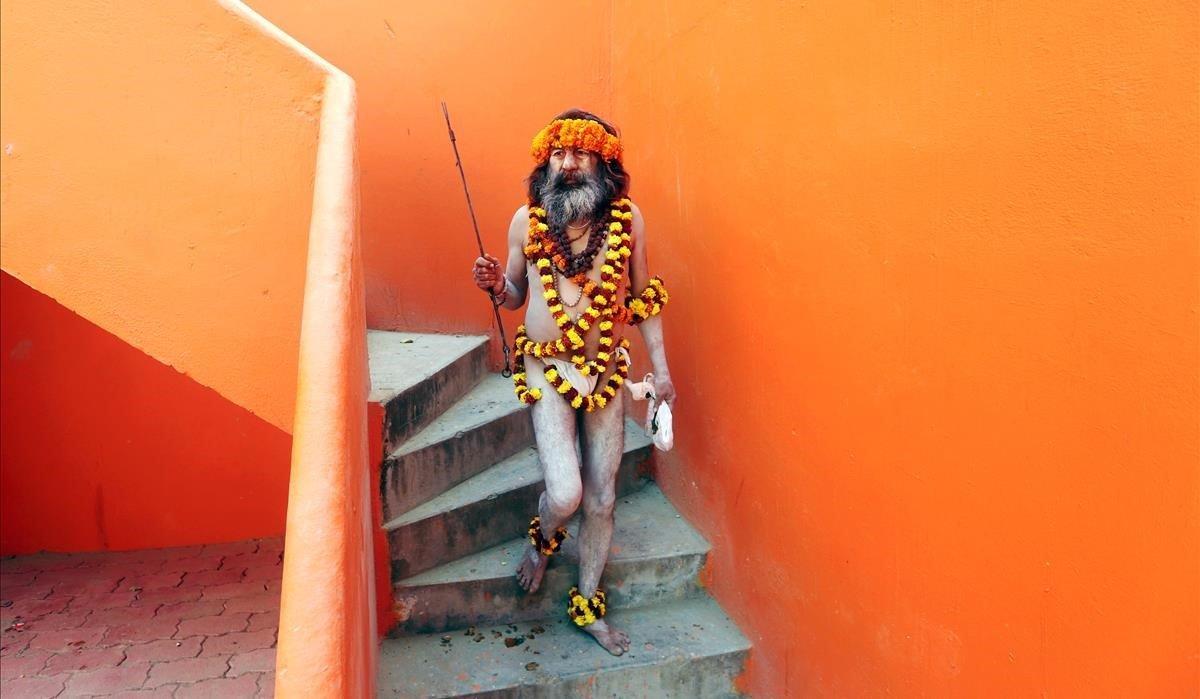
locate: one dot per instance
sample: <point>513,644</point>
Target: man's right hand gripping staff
<point>489,277</point>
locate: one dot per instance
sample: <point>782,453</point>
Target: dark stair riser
<point>413,410</point>
<point>441,538</point>
<point>457,605</point>
<point>709,677</point>
<point>413,478</point>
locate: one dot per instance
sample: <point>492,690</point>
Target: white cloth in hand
<point>658,417</point>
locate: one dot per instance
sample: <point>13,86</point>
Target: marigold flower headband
<point>575,133</point>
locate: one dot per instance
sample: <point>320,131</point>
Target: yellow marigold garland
<point>602,312</point>
<point>541,249</point>
<point>575,133</point>
<point>586,611</point>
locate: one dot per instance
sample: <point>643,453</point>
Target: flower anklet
<point>539,541</point>
<point>584,611</point>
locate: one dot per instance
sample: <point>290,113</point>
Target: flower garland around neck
<point>602,312</point>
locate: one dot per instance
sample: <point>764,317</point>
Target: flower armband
<point>649,303</point>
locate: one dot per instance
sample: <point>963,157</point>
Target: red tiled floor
<point>181,622</point>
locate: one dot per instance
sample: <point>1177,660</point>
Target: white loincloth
<point>586,385</point>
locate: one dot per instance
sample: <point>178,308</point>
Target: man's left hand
<point>664,390</point>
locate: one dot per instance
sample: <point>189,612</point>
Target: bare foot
<point>614,641</point>
<point>529,572</point>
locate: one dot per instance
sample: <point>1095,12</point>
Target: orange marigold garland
<point>575,133</point>
<point>542,251</point>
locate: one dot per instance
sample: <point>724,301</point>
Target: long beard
<point>570,203</point>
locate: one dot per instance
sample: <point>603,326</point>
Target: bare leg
<point>555,432</point>
<point>603,445</point>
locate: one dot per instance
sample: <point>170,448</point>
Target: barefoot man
<point>580,246</point>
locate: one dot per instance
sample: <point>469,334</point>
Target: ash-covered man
<point>580,245</point>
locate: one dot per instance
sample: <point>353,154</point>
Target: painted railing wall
<point>327,636</point>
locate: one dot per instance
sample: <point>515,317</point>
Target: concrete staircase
<point>460,480</point>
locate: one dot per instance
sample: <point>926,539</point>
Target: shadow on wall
<point>105,448</point>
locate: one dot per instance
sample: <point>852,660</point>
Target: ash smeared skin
<point>580,452</point>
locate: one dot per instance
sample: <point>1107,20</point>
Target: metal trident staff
<point>492,294</point>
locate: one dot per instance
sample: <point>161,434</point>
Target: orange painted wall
<point>157,179</point>
<point>952,248</point>
<point>504,70</point>
<point>935,273</point>
<point>105,447</point>
<point>156,166</point>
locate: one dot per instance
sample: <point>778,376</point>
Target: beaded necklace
<point>575,264</point>
<point>569,304</point>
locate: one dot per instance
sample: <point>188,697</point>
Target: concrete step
<point>655,556</point>
<point>687,649</point>
<point>488,424</point>
<point>488,508</point>
<point>416,377</point>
